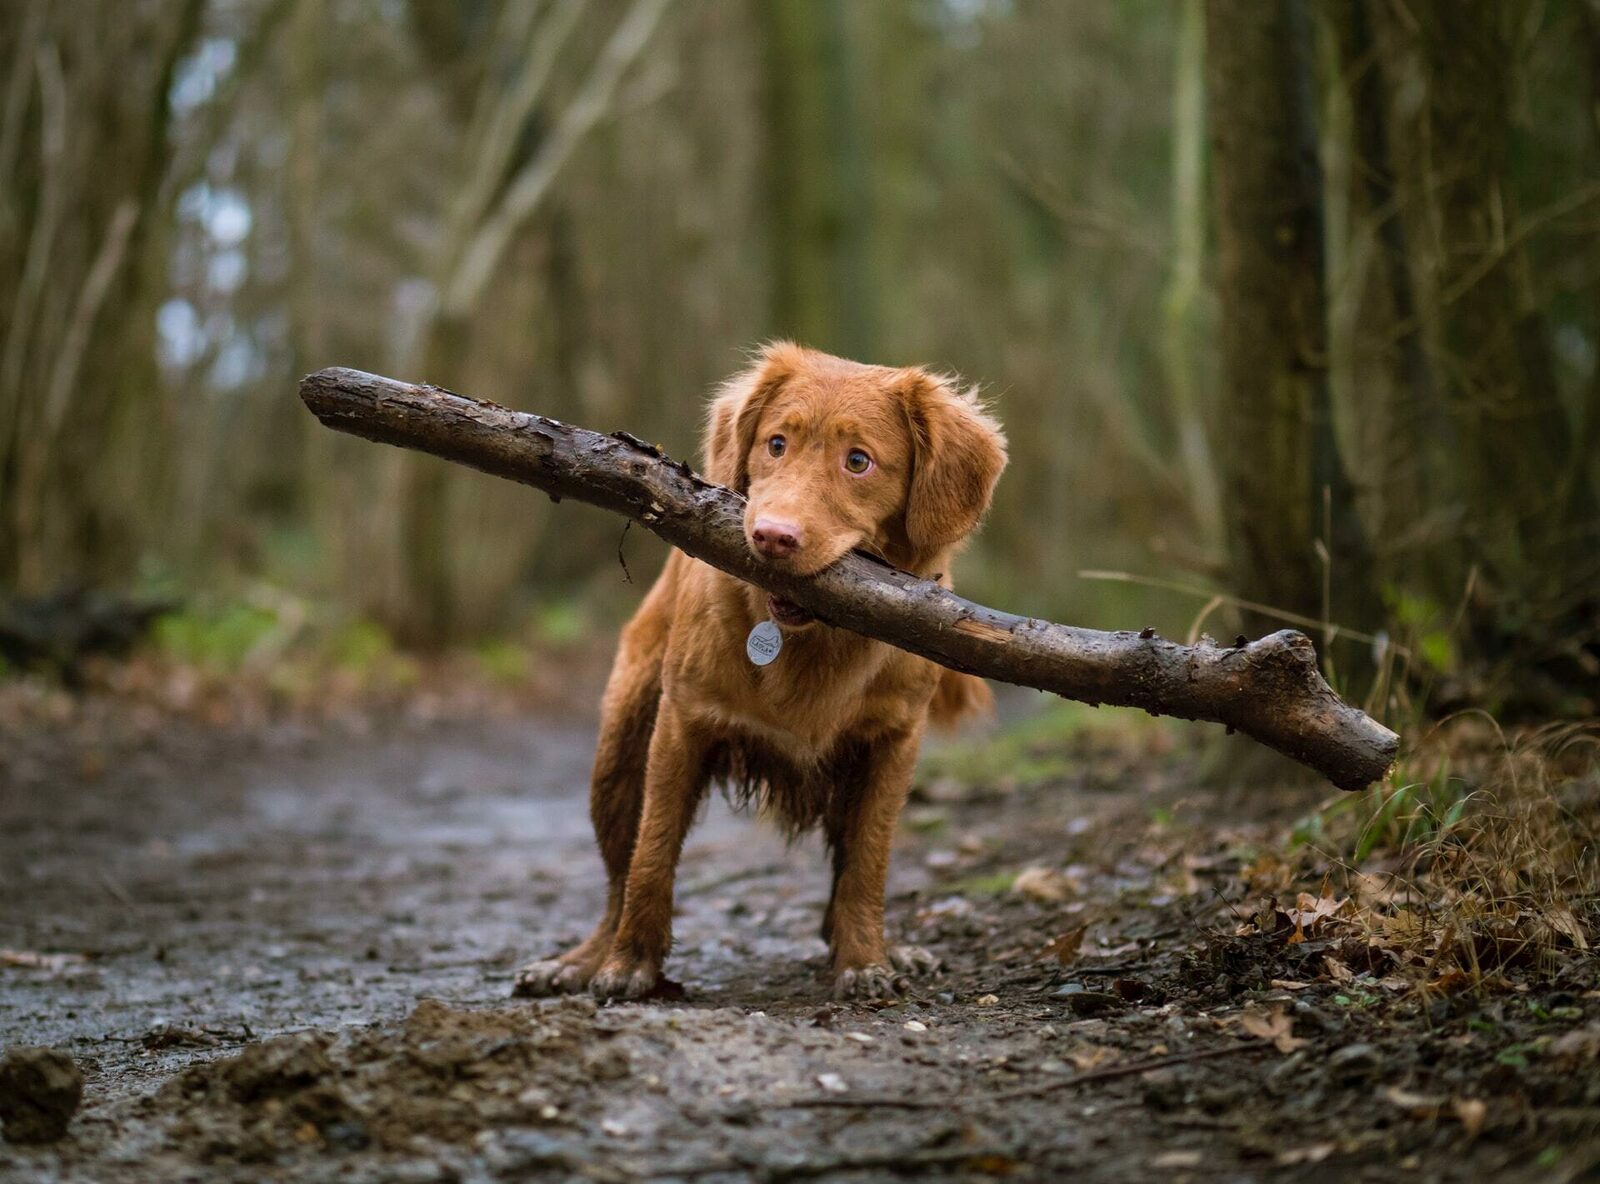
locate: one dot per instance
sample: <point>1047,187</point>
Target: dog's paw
<point>914,960</point>
<point>621,977</point>
<point>553,976</point>
<point>870,982</point>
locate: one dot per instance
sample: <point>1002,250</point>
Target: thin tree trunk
<point>1449,76</point>
<point>1283,485</point>
<point>83,151</point>
<point>502,194</point>
<point>1379,371</point>
<point>1181,345</point>
<point>819,190</point>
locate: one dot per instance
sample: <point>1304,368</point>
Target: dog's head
<point>834,455</point>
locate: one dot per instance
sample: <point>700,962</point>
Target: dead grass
<point>1478,858</point>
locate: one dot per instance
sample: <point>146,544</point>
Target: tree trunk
<point>820,190</point>
<point>1381,377</point>
<point>1181,344</point>
<point>1283,486</point>
<point>1269,689</point>
<point>1449,78</point>
<point>83,150</point>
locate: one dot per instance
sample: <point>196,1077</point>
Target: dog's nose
<point>775,539</point>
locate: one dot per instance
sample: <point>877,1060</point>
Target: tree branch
<point>1269,689</point>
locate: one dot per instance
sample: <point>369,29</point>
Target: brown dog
<point>832,455</point>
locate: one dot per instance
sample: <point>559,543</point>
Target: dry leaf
<point>1566,923</point>
<point>1043,884</point>
<point>1450,983</point>
<point>1091,1056</point>
<point>1308,909</point>
<point>1064,949</point>
<point>1578,1044</point>
<point>33,960</point>
<point>1404,924</point>
<point>1415,1104</point>
<point>1315,1153</point>
<point>1275,1026</point>
<point>1471,1112</point>
<point>1178,1159</point>
<point>1337,970</point>
<point>1289,984</point>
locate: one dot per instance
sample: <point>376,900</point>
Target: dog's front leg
<point>863,967</point>
<point>674,781</point>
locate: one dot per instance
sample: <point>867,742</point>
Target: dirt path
<point>373,893</point>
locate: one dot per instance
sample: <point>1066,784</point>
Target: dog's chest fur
<point>797,736</point>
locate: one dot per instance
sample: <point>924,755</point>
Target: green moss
<point>218,638</point>
<point>988,884</point>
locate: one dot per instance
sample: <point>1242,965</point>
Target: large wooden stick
<point>1269,689</point>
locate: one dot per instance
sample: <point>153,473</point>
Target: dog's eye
<point>776,445</point>
<point>857,462</point>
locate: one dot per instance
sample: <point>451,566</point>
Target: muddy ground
<point>298,944</point>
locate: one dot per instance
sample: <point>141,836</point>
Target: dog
<point>831,456</point>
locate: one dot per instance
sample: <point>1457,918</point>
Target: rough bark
<point>1269,689</point>
<point>1283,484</point>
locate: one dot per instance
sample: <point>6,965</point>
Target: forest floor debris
<point>306,969</point>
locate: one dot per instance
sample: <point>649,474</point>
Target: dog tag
<point>764,642</point>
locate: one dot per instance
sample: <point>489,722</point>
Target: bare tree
<point>82,154</point>
<point>502,186</point>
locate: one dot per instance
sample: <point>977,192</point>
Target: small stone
<point>987,1000</point>
<point>915,1026</point>
<point>1354,1059</point>
<point>40,1091</point>
<point>1069,989</point>
<point>1093,1002</point>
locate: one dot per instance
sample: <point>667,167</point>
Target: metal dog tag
<point>764,642</point>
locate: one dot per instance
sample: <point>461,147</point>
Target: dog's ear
<point>958,452</point>
<point>736,412</point>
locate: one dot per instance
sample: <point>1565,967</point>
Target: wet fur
<point>825,736</point>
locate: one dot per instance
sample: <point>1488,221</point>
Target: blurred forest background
<point>1288,305</point>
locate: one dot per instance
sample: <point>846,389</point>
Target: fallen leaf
<point>1315,1153</point>
<point>1471,1112</point>
<point>1178,1159</point>
<point>1566,923</point>
<point>1451,983</point>
<point>1064,949</point>
<point>1404,924</point>
<point>1091,1056</point>
<point>1289,984</point>
<point>1415,1104</point>
<point>1043,884</point>
<point>1308,909</point>
<point>1579,1044</point>
<point>1337,970</point>
<point>1275,1026</point>
<point>33,960</point>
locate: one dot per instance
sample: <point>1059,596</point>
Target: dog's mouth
<point>787,612</point>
